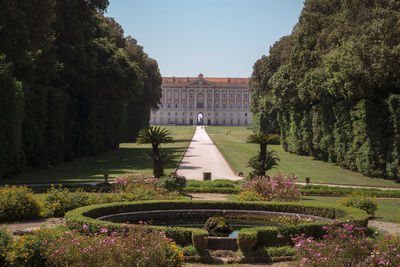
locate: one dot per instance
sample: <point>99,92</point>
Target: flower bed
<point>277,188</point>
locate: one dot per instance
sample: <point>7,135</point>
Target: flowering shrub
<point>137,247</point>
<point>277,188</point>
<point>57,201</point>
<point>30,250</point>
<point>134,187</point>
<point>361,201</point>
<point>18,203</point>
<point>5,241</point>
<point>344,245</point>
<point>387,252</point>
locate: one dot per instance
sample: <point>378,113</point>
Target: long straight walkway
<point>203,156</point>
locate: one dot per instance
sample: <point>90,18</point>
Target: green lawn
<point>231,141</point>
<point>130,158</point>
<point>388,208</point>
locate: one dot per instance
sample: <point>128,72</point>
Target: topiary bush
<point>18,203</point>
<point>247,240</point>
<point>200,240</point>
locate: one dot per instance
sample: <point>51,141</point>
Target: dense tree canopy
<point>332,87</point>
<point>71,83</point>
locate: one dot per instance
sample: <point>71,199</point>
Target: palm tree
<point>264,163</point>
<point>155,136</point>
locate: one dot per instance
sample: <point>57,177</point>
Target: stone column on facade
<point>212,98</point>
<point>187,97</point>
<point>195,98</point>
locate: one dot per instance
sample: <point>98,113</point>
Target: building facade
<point>204,101</point>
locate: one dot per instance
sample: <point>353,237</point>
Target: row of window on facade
<point>191,114</point>
<point>190,121</point>
<point>245,95</point>
<point>200,105</point>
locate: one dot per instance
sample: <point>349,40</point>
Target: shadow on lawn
<point>115,163</point>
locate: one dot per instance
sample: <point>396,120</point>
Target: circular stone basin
<point>195,218</point>
<point>185,212</point>
<point>182,217</point>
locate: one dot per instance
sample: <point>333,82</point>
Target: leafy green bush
<point>188,250</point>
<point>281,251</point>
<point>30,250</point>
<point>135,187</point>
<point>57,201</point>
<point>5,242</point>
<point>172,182</point>
<point>361,201</point>
<point>18,203</point>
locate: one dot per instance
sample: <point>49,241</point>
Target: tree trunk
<point>157,165</point>
<point>263,155</point>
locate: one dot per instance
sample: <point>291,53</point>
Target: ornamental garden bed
<point>311,219</point>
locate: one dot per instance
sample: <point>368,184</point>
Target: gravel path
<point>203,156</point>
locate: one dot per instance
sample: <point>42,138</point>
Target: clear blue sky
<point>219,38</point>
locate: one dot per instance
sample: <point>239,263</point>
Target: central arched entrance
<point>200,118</point>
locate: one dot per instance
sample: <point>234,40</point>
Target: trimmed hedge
<point>75,219</point>
<point>343,191</point>
<point>321,190</point>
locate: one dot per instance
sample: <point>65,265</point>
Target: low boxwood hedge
<point>75,219</point>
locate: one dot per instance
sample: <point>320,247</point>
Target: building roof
<point>216,80</point>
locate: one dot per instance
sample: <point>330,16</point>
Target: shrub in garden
<point>386,252</point>
<point>57,201</point>
<point>135,187</point>
<point>343,245</point>
<point>200,240</point>
<point>277,187</point>
<point>5,242</point>
<point>361,201</point>
<point>18,203</point>
<point>172,182</point>
<point>137,247</point>
<point>30,250</point>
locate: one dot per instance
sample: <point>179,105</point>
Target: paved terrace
<point>203,156</point>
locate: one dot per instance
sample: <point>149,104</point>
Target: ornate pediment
<point>200,81</point>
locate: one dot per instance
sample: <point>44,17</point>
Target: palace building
<point>203,101</point>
